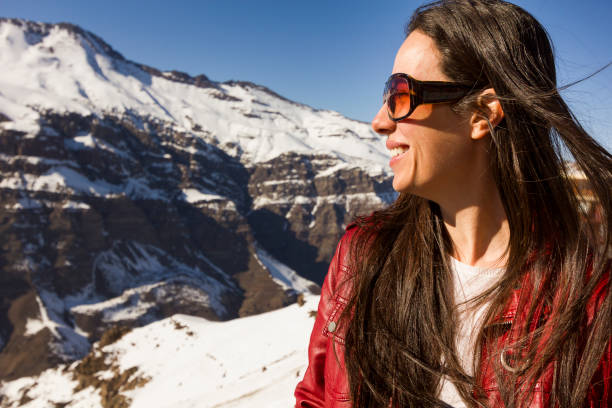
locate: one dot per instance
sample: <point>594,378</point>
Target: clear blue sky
<point>327,54</point>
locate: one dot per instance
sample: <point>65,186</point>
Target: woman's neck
<point>477,225</point>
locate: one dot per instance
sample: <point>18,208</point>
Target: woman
<point>483,284</point>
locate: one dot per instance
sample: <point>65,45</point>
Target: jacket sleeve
<point>600,390</point>
<point>600,393</point>
<point>310,392</point>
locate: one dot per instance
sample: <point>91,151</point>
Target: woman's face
<point>435,142</point>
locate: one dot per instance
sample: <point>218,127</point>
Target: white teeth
<point>398,150</point>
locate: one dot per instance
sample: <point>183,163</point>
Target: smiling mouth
<point>396,151</point>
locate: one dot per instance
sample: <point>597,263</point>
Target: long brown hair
<point>401,318</point>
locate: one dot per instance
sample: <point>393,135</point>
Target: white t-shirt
<point>469,281</point>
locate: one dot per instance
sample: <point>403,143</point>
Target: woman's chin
<point>401,186</point>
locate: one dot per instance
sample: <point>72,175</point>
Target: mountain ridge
<point>198,80</point>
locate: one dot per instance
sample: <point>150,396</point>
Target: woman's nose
<point>381,122</point>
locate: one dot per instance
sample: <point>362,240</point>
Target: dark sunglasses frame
<point>425,92</point>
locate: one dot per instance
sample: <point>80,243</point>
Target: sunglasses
<point>403,94</point>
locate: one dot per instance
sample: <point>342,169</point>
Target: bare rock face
<point>302,206</point>
<point>145,230</point>
<point>122,244</point>
<point>25,353</point>
<point>118,218</point>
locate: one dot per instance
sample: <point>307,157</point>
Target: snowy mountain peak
<point>62,67</point>
<point>35,32</point>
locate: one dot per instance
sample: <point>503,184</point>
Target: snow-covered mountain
<point>63,68</point>
<point>128,195</point>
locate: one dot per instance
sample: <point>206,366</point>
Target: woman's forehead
<point>419,57</point>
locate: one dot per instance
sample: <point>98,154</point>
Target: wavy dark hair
<point>401,318</point>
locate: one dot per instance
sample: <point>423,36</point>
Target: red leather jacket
<point>325,383</point>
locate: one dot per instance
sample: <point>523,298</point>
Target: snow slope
<point>191,362</point>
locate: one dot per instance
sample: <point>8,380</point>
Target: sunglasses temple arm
<point>434,93</point>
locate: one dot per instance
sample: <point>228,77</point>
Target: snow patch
<point>25,203</point>
<point>343,199</point>
<point>192,195</point>
<point>33,326</point>
<point>73,205</point>
<point>87,141</point>
<point>283,275</point>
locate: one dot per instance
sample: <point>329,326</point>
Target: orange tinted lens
<point>401,105</point>
<point>398,97</point>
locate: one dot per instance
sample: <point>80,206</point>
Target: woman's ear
<point>489,114</point>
